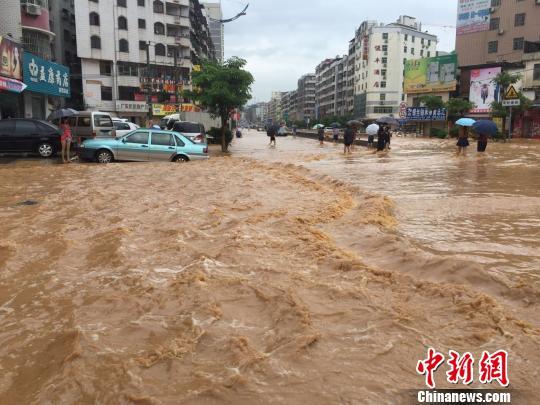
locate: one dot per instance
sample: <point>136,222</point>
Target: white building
<point>113,36</point>
<point>217,31</point>
<point>381,51</point>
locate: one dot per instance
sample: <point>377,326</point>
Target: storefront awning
<point>13,85</point>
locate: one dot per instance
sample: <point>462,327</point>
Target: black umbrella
<point>335,124</point>
<point>388,120</point>
<point>485,127</point>
<point>354,123</point>
<point>62,113</point>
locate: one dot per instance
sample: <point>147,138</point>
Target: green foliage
<point>432,102</point>
<point>438,133</point>
<point>498,110</point>
<point>221,87</point>
<point>454,131</point>
<point>505,79</point>
<point>458,107</point>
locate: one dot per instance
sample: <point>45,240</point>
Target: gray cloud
<point>284,39</point>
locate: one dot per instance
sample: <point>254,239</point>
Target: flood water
<point>290,275</point>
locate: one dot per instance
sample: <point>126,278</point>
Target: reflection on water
<point>480,208</point>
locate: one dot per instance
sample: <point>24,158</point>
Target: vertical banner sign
<point>483,90</point>
<point>473,16</point>
<point>11,59</point>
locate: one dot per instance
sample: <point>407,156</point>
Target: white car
<point>124,127</point>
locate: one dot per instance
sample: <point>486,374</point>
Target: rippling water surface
<point>479,208</point>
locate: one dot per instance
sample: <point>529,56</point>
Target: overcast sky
<point>284,39</point>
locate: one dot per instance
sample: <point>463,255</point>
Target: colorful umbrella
<point>465,122</point>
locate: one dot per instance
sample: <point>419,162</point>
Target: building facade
<point>380,54</point>
<point>502,36</point>
<point>136,55</point>
<point>326,87</point>
<point>217,29</point>
<point>305,98</point>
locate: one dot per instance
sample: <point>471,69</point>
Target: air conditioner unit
<point>501,32</point>
<point>493,9</point>
<point>33,9</point>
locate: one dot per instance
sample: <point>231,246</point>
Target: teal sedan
<point>143,145</point>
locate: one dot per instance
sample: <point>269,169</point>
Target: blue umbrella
<point>485,127</point>
<point>465,122</point>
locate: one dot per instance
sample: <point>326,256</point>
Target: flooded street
<point>288,275</point>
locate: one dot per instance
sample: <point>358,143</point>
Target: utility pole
<point>176,80</point>
<point>148,85</point>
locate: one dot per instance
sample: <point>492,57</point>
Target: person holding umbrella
<point>372,130</point>
<point>463,137</point>
<point>320,133</point>
<point>348,138</point>
<point>65,138</point>
<point>484,128</point>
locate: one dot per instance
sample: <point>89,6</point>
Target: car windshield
<point>188,127</point>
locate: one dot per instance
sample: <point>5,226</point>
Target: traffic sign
<point>511,94</point>
<point>511,103</point>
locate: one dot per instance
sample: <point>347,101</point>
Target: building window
<point>412,51</point>
<point>383,84</point>
<point>142,23</point>
<point>494,24</point>
<point>493,46</point>
<point>106,93</point>
<point>140,3</point>
<point>122,23</point>
<point>123,45</point>
<point>384,60</point>
<point>127,93</point>
<point>382,97</point>
<point>95,42</point>
<point>413,39</point>
<point>429,54</point>
<point>158,7</point>
<point>385,35</point>
<point>160,50</point>
<point>536,72</point>
<point>121,3</point>
<point>405,49</point>
<point>421,52</point>
<point>142,45</point>
<point>429,42</point>
<point>127,69</point>
<point>159,29</point>
<point>94,18</point>
<point>385,48</point>
<point>518,43</point>
<point>105,68</point>
<point>519,20</point>
<point>382,110</point>
<point>406,37</point>
<point>495,3</point>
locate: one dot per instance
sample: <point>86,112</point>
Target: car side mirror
<point>123,140</point>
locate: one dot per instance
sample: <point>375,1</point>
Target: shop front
<point>47,84</point>
<point>527,124</point>
<point>134,111</point>
<point>11,76</point>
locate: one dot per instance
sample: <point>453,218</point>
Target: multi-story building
<point>217,31</point>
<point>305,98</point>
<point>137,53</point>
<point>64,47</point>
<point>327,75</point>
<point>288,106</point>
<point>499,33</point>
<point>349,88</point>
<point>342,87</point>
<point>275,112</point>
<point>257,113</point>
<point>381,52</point>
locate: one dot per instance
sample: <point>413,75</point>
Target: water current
<point>287,275</point>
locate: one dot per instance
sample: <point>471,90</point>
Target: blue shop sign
<point>42,76</point>
<point>425,114</point>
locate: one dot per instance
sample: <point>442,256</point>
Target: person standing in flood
<point>335,134</point>
<point>272,132</point>
<point>463,141</point>
<point>482,143</point>
<point>381,139</point>
<point>387,136</point>
<point>320,132</point>
<point>348,138</point>
<point>65,138</point>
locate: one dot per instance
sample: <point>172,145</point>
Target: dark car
<point>29,136</point>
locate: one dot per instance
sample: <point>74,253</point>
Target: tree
<point>220,88</point>
<point>458,107</point>
<point>504,80</point>
<point>432,103</point>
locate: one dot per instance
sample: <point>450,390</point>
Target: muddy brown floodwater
<point>290,276</point>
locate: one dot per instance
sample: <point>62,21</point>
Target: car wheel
<point>104,156</point>
<point>180,159</point>
<point>45,150</point>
